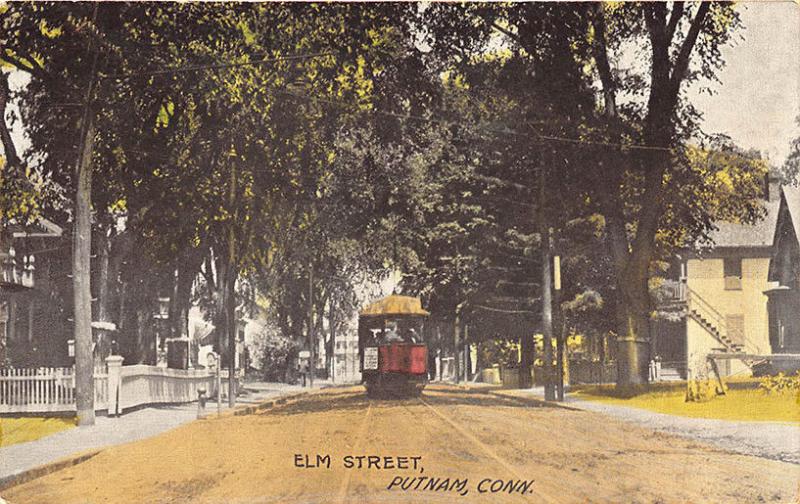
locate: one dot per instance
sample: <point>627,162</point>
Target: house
<point>783,293</point>
<point>27,321</point>
<point>718,302</point>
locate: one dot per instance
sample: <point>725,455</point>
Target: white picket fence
<point>116,387</point>
<point>46,389</point>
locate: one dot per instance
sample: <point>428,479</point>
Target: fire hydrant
<point>201,402</point>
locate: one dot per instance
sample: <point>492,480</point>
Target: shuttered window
<point>733,273</point>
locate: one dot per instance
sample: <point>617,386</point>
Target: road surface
<point>450,445</point>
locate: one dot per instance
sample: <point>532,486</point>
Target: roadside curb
<point>534,401</point>
<point>37,472</point>
<point>255,408</point>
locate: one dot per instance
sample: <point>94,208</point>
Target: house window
<point>733,273</point>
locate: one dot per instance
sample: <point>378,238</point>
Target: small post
<point>201,402</point>
<point>219,384</point>
<point>217,361</point>
<point>114,364</point>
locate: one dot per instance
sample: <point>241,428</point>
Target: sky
<point>758,99</point>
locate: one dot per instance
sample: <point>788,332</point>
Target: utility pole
<point>547,295</point>
<point>466,353</point>
<point>456,353</point>
<point>230,307</point>
<point>560,336</point>
<point>332,328</point>
<point>312,351</point>
<point>81,255</point>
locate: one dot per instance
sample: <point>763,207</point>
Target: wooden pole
<point>560,336</point>
<point>456,354</point>
<point>230,307</point>
<point>466,353</point>
<point>547,294</point>
<point>312,349</point>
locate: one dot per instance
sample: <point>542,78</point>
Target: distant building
<point>345,358</point>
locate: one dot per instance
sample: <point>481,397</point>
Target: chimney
<point>772,186</point>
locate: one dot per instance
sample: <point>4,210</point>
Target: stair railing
<point>702,308</point>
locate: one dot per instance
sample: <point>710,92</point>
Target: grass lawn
<point>20,430</point>
<point>752,404</point>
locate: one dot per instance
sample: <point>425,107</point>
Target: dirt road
<point>451,445</point>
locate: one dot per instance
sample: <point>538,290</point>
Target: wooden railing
<point>673,291</point>
<point>141,384</point>
<point>699,307</point>
<point>704,309</point>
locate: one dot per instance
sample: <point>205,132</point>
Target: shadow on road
<point>357,400</point>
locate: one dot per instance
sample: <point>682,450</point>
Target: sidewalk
<point>147,422</point>
<point>771,440</point>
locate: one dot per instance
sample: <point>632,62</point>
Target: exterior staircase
<point>711,320</point>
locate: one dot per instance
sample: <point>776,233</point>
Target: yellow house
<point>721,296</point>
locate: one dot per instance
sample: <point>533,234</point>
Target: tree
<point>626,159</point>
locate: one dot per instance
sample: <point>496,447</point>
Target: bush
<point>277,354</point>
<point>780,383</point>
<point>501,352</point>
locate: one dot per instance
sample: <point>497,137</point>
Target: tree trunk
<point>81,282</point>
<point>12,160</point>
<point>633,342</point>
<point>230,326</point>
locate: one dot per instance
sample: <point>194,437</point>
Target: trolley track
<point>341,496</point>
<point>463,432</point>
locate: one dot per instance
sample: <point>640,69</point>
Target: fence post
<point>114,363</point>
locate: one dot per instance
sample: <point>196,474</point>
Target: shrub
<point>277,353</point>
<point>498,351</point>
<point>780,383</point>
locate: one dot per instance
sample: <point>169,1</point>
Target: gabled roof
<point>792,197</point>
<point>789,210</point>
<point>760,234</point>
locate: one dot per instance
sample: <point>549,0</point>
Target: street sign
<point>304,354</point>
<point>371,358</point>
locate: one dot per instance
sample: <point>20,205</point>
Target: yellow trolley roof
<point>395,305</point>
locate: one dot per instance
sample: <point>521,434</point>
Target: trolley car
<point>393,357</point>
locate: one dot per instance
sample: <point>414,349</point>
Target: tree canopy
<point>263,147</point>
